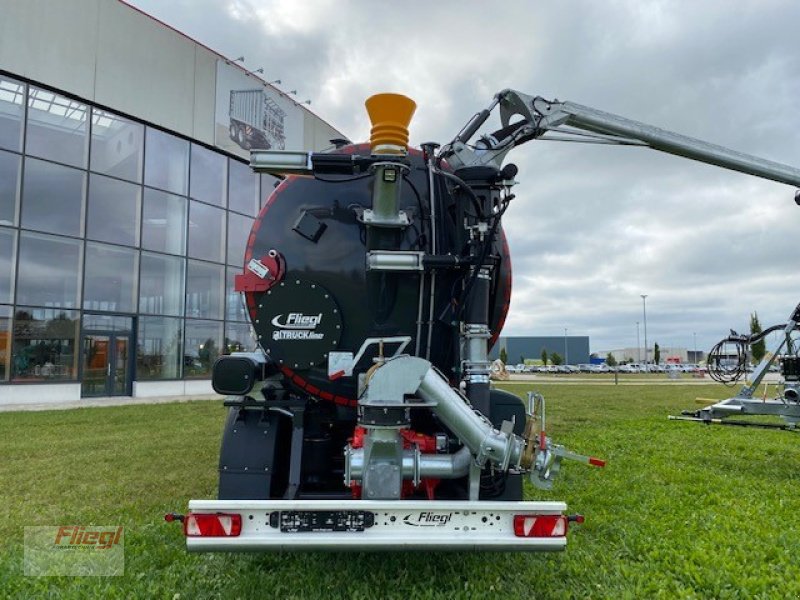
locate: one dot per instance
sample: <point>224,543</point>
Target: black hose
<point>718,364</point>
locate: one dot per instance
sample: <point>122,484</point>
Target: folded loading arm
<point>526,117</point>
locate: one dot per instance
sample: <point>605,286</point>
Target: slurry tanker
<point>377,277</point>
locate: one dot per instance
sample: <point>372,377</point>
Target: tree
<point>758,350</point>
<point>544,356</point>
<point>656,354</point>
<point>503,356</point>
<point>610,360</point>
<point>556,359</point>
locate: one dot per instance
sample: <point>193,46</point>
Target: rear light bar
<point>540,526</point>
<point>212,525</point>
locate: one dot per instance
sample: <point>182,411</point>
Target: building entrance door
<point>106,363</point>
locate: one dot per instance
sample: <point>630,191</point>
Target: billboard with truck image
<point>250,114</point>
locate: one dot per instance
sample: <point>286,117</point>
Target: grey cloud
<point>592,227</point>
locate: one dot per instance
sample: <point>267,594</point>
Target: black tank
<point>327,301</point>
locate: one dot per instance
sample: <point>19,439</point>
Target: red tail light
<point>212,525</point>
<point>540,525</point>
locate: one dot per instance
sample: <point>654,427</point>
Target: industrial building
<point>668,354</point>
<point>126,200</point>
<point>574,349</point>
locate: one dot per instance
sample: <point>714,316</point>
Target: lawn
<point>681,510</point>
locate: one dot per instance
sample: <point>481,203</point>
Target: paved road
<point>94,402</point>
<point>655,379</point>
<point>516,379</point>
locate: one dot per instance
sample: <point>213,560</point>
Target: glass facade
<point>5,342</point>
<point>109,225</point>
<point>56,128</point>
<point>12,113</point>
<point>113,211</point>
<point>10,167</point>
<point>8,260</point>
<point>53,198</point>
<point>45,344</point>
<point>158,348</point>
<point>203,346</point>
<point>110,281</point>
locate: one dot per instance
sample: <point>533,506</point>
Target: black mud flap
<point>505,406</point>
<point>247,455</point>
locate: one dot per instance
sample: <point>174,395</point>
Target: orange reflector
<point>390,115</point>
<point>540,526</point>
<point>212,525</point>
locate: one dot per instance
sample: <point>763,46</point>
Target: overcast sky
<point>592,227</point>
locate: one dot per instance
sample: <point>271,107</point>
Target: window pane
<point>161,286</point>
<point>10,166</point>
<point>164,222</point>
<point>49,270</point>
<point>238,231</point>
<point>53,198</point>
<point>234,301</point>
<point>239,338</point>
<point>204,290</point>
<point>8,253</point>
<point>110,279</point>
<point>5,342</point>
<point>208,175</point>
<point>166,162</point>
<point>107,322</point>
<point>243,190</point>
<point>113,211</point>
<point>44,344</point>
<point>56,128</point>
<point>206,232</point>
<point>203,343</point>
<point>268,184</point>
<point>12,96</point>
<point>117,146</point>
<point>158,349</point>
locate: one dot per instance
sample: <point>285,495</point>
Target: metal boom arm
<point>538,116</point>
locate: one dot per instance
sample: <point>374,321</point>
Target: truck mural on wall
<point>256,120</point>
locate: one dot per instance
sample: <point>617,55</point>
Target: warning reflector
<point>212,525</point>
<point>540,526</point>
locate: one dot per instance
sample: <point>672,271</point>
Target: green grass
<point>681,510</point>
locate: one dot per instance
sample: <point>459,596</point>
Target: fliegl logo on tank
<point>297,326</point>
<point>427,519</point>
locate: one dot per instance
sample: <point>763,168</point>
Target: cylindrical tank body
<point>316,226</point>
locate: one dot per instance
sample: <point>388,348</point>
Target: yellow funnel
<point>390,115</point>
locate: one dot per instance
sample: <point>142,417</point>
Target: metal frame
<point>399,525</point>
<point>743,404</point>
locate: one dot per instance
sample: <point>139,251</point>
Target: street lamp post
<point>694,337</point>
<point>644,313</point>
<point>566,351</point>
<point>638,345</point>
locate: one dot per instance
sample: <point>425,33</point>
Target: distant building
<point>574,349</point>
<point>668,355</point>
